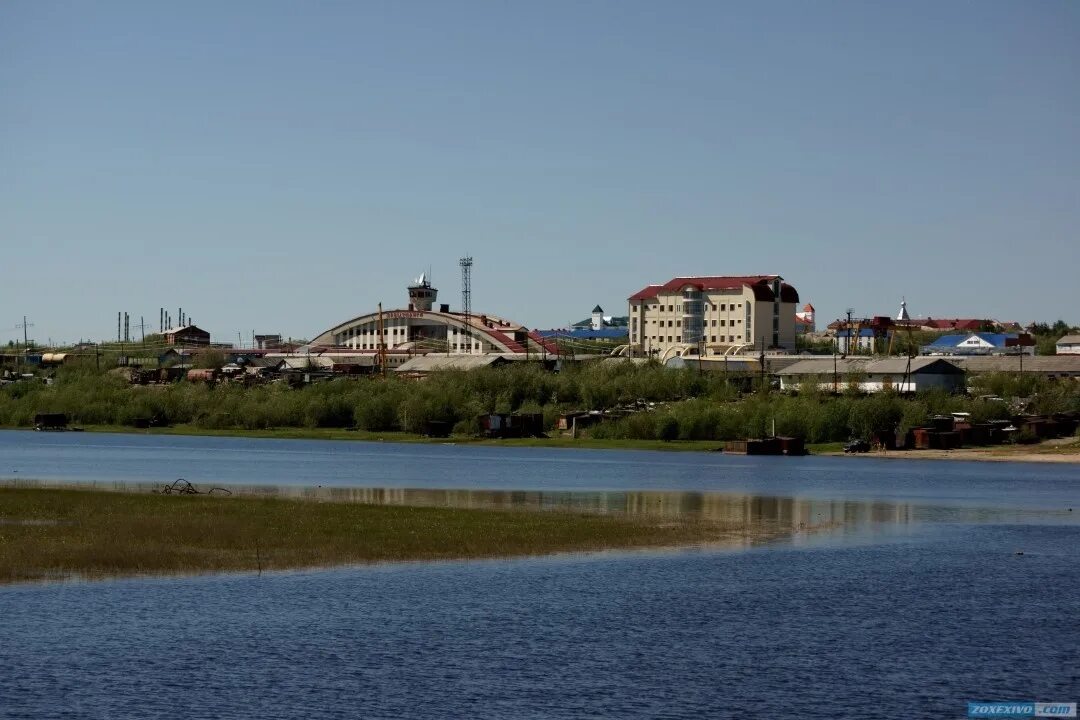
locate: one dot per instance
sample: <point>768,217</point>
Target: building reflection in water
<point>779,512</point>
<point>782,512</point>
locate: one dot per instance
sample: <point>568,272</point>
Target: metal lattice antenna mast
<point>466,297</point>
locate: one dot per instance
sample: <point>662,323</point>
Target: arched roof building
<point>418,329</point>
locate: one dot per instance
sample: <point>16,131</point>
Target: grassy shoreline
<point>411,438</point>
<point>51,534</point>
<point>1058,450</point>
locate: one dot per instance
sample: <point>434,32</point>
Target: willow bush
<point>673,404</point>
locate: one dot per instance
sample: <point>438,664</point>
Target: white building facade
<point>1068,345</point>
<point>712,315</point>
<point>419,329</point>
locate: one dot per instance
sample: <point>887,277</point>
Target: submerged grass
<point>56,533</point>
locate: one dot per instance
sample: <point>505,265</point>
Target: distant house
<point>189,335</point>
<point>847,342</point>
<point>268,342</point>
<point>897,374</point>
<point>598,321</point>
<point>1068,345</point>
<point>804,320</point>
<point>981,343</point>
<point>970,324</point>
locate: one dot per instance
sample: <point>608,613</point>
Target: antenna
<point>466,264</point>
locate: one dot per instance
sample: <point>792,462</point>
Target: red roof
<point>760,284</point>
<point>954,324</point>
<point>542,342</point>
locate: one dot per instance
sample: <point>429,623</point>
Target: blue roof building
<point>607,333</point>
<point>981,343</point>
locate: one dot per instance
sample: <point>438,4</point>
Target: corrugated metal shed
<point>433,362</point>
<point>899,365</point>
<point>1041,364</point>
<point>887,366</point>
<point>824,365</point>
<point>707,363</point>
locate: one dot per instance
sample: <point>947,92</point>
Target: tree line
<point>660,403</point>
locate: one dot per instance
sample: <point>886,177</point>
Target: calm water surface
<point>919,604</point>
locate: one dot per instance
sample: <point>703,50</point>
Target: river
<point>915,605</point>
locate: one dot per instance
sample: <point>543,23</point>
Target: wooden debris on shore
<point>180,486</point>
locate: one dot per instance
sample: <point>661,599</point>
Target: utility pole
<point>382,344</point>
<point>847,350</point>
<point>835,377</point>
<point>141,327</point>
<point>26,341</point>
<point>761,359</point>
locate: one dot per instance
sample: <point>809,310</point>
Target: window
<point>723,306</point>
<point>714,323</point>
<point>731,338</point>
<point>669,323</point>
<point>722,323</point>
<point>713,339</point>
<point>671,308</point>
<point>678,323</point>
<point>669,338</point>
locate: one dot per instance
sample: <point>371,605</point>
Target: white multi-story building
<point>713,315</point>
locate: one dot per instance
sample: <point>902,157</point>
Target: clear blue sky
<point>283,166</point>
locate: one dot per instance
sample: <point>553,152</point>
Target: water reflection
<point>802,520</point>
<point>780,512</point>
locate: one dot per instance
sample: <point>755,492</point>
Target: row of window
<point>712,338</point>
<point>375,346</point>
<point>678,323</point>
<point>722,307</point>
